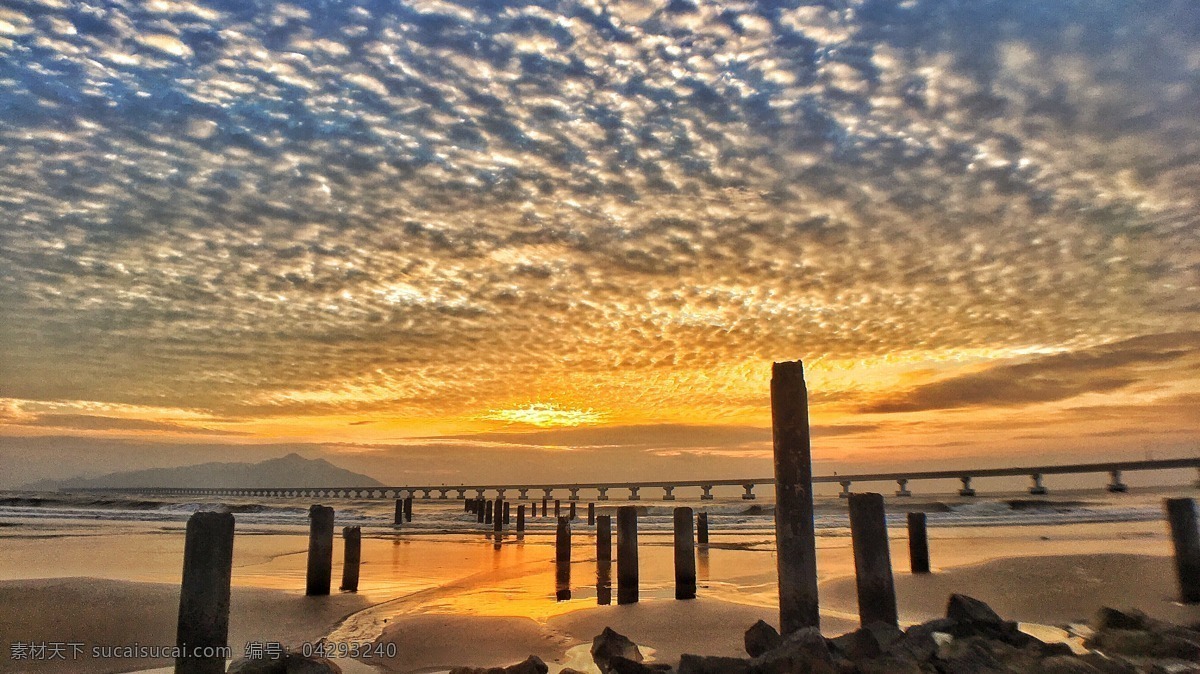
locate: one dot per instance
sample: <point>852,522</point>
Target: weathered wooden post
<point>487,513</point>
<point>702,528</point>
<point>591,514</point>
<point>399,512</point>
<point>572,510</point>
<point>604,538</point>
<point>352,540</point>
<point>557,508</point>
<point>466,505</point>
<point>685,555</point>
<point>479,514</point>
<point>795,536</point>
<point>320,550</point>
<point>506,513</point>
<point>521,519</point>
<point>872,560</point>
<point>204,592</point>
<point>918,543</point>
<point>497,515</point>
<point>1181,514</point>
<point>627,555</point>
<point>603,582</point>
<point>562,560</point>
<point>408,508</point>
<point>545,501</point>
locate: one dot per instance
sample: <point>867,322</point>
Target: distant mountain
<point>292,470</point>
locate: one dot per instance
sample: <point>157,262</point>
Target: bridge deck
<point>668,485</point>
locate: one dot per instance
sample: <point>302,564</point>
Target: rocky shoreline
<point>970,639</point>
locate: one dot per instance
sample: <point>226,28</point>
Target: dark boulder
<point>803,651</point>
<point>610,644</point>
<point>760,638</point>
<point>708,664</point>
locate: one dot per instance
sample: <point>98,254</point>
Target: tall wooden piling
<point>497,515</point>
<point>466,505</point>
<point>795,535</point>
<point>506,513</point>
<point>521,519</point>
<point>562,560</point>
<point>557,508</point>
<point>545,501</point>
<point>479,514</point>
<point>320,550</point>
<point>1181,514</point>
<point>702,528</point>
<point>918,543</point>
<point>352,540</point>
<point>408,508</point>
<point>204,592</point>
<point>685,555</point>
<point>571,513</point>
<point>604,538</point>
<point>627,555</point>
<point>399,512</point>
<point>872,560</point>
<point>591,514</point>
<point>487,512</point>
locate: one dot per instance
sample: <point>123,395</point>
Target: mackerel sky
<point>494,232</point>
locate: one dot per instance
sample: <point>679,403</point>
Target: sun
<point>546,415</point>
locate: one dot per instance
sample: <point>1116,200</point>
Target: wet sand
<point>446,600</point>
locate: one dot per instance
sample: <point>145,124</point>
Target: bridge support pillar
<point>1181,515</point>
<point>966,486</point>
<point>562,560</point>
<point>479,494</point>
<point>320,551</point>
<point>352,556</point>
<point>707,495</point>
<point>1115,485</point>
<point>668,493</point>
<point>603,494</point>
<point>1037,488</point>
<point>633,496</point>
<point>872,560</point>
<point>523,493</point>
<point>574,493</point>
<point>918,543</point>
<point>204,593</point>
<point>749,495</point>
<point>903,490</point>
<point>462,493</point>
<point>500,493</point>
<point>685,555</point>
<point>443,493</point>
<point>845,489</point>
<point>548,492</point>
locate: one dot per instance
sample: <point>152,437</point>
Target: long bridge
<point>1036,474</point>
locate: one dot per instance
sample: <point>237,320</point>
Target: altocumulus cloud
<point>259,207</point>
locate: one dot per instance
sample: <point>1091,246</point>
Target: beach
<point>443,592</point>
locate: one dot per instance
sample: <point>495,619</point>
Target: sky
<point>444,241</point>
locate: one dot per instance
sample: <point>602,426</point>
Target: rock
<point>610,644</point>
<point>888,665</point>
<point>620,665</point>
<point>1106,665</point>
<point>801,651</point>
<point>1065,664</point>
<point>964,609</point>
<point>867,642</point>
<point>263,665</point>
<point>708,664</point>
<point>918,642</point>
<point>1112,619</point>
<point>531,665</point>
<point>760,638</point>
<point>298,664</point>
<point>1056,648</point>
